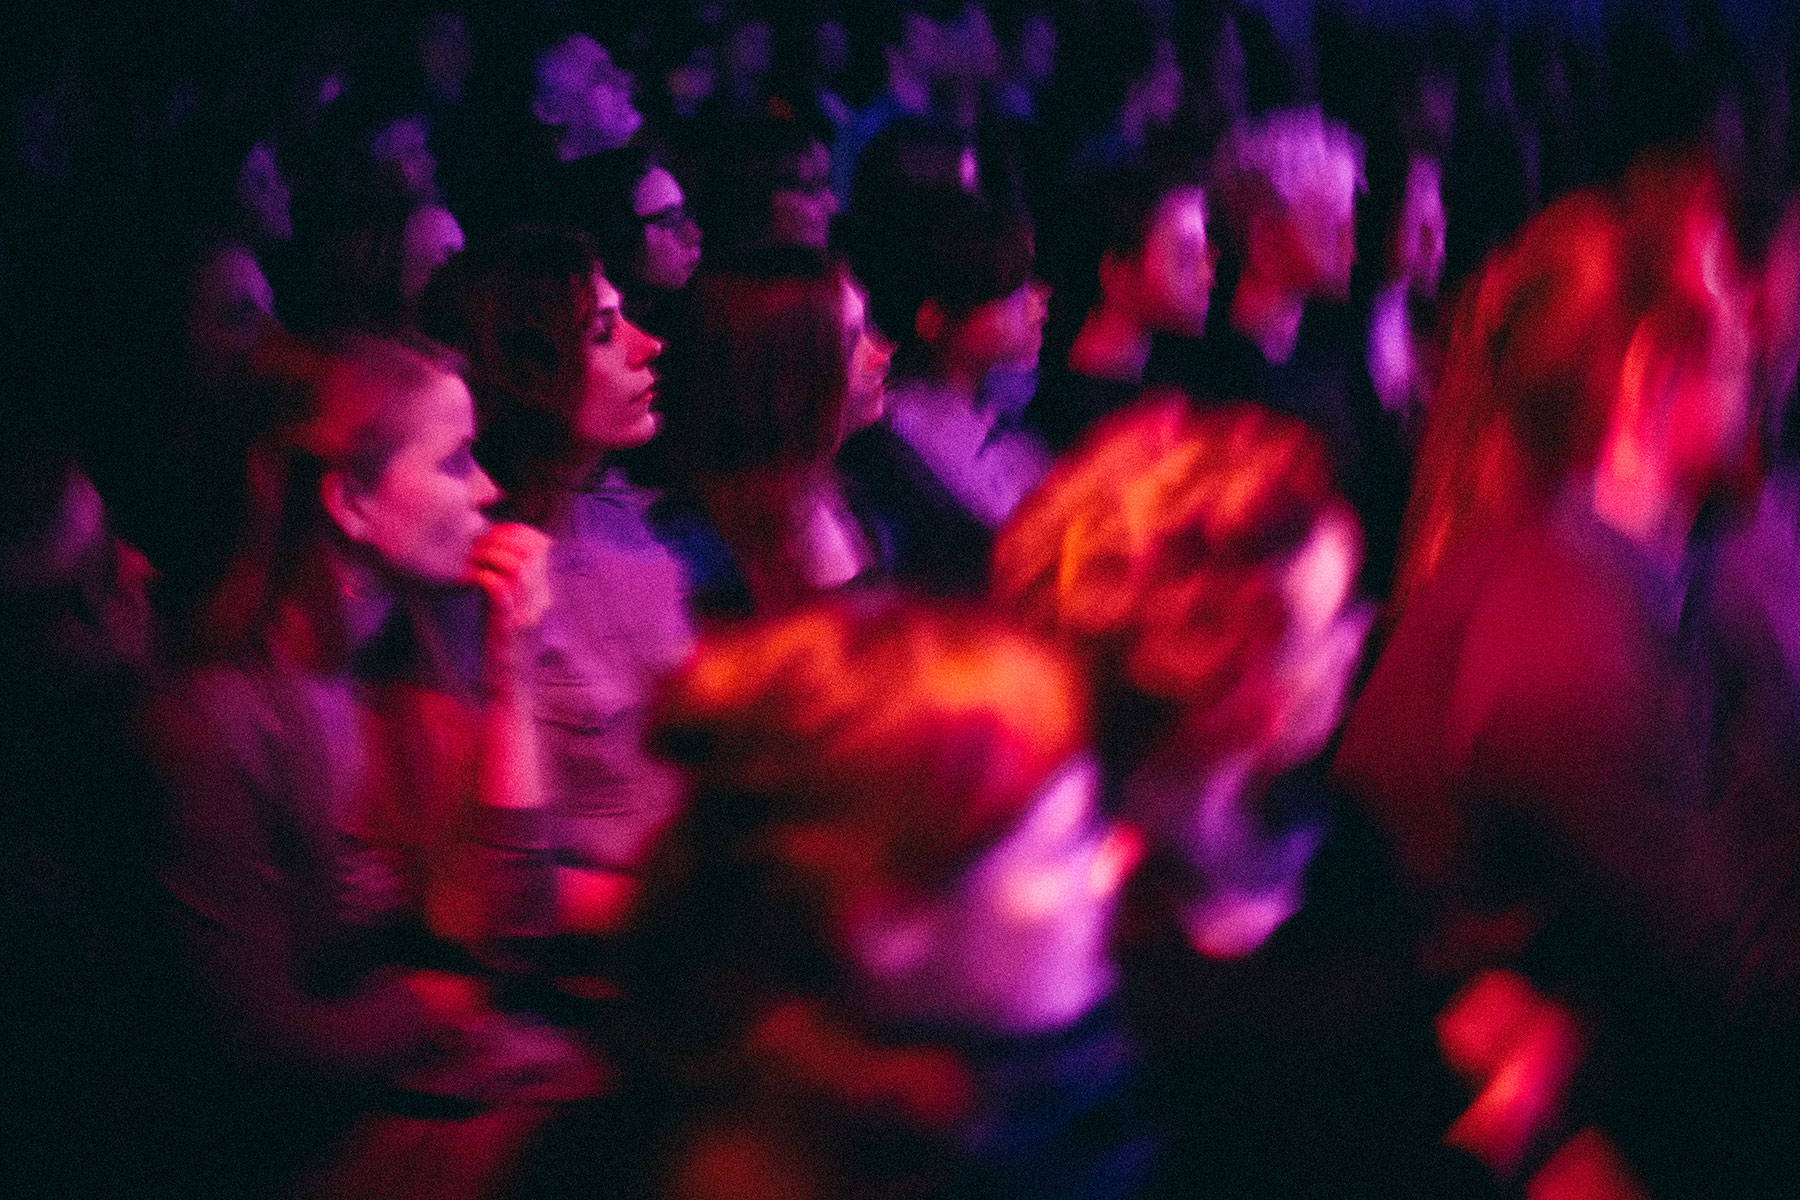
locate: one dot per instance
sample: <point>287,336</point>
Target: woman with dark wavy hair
<point>564,381</point>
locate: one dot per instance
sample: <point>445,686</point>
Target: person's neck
<point>1110,346</point>
<point>1268,313</point>
<point>339,605</point>
<point>544,499</point>
<point>367,600</point>
<point>1133,121</point>
<point>572,146</point>
<point>958,381</point>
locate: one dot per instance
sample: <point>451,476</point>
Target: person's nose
<point>646,347</point>
<point>487,492</point>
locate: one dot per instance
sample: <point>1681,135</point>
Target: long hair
<point>1533,352</point>
<point>342,407</point>
<point>1157,549</point>
<point>518,307</point>
<point>1540,338</point>
<point>754,407</point>
<point>762,382</point>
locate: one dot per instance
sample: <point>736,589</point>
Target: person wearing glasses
<point>633,207</point>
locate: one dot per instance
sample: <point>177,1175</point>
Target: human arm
<point>253,919</point>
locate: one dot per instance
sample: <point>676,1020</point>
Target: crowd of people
<point>1002,598</point>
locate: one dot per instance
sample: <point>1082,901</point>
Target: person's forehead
<point>657,190</point>
<point>606,296</point>
<point>442,413</point>
<point>572,61</point>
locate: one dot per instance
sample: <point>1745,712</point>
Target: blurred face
<point>1162,87</point>
<point>1709,410</point>
<point>1323,224</point>
<point>230,312</point>
<point>800,210</point>
<point>263,195</point>
<point>974,49</point>
<point>869,358</point>
<point>1324,644</point>
<point>750,50</point>
<point>615,412</point>
<point>671,247</point>
<point>1037,48</point>
<point>1019,945</point>
<point>1175,276</point>
<point>1007,332</point>
<point>424,513</point>
<point>431,236</point>
<point>1419,249</point>
<point>445,54</point>
<point>581,90</point>
<point>400,149</point>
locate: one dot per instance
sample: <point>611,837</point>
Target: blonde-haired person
<point>1285,187</point>
<point>357,825</point>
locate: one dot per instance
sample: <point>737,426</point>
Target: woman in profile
<point>565,382</point>
<point>781,367</point>
<point>876,949</point>
<point>358,825</point>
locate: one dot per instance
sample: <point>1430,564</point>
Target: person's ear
<point>344,504</point>
<point>930,321</point>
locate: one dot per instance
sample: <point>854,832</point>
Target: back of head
<point>938,243</point>
<point>594,194</point>
<point>753,160</point>
<point>1527,382</point>
<point>833,753</point>
<point>762,382</point>
<point>1157,548</point>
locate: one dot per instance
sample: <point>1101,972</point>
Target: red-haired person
<point>564,381</point>
<point>358,827</point>
<point>1203,564</point>
<point>878,942</point>
<point>782,366</point>
<point>1540,738</point>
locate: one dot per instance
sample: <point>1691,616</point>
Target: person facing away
<point>877,953</point>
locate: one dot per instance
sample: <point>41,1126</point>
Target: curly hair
<point>917,733</point>
<point>836,749</point>
<point>1158,549</point>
